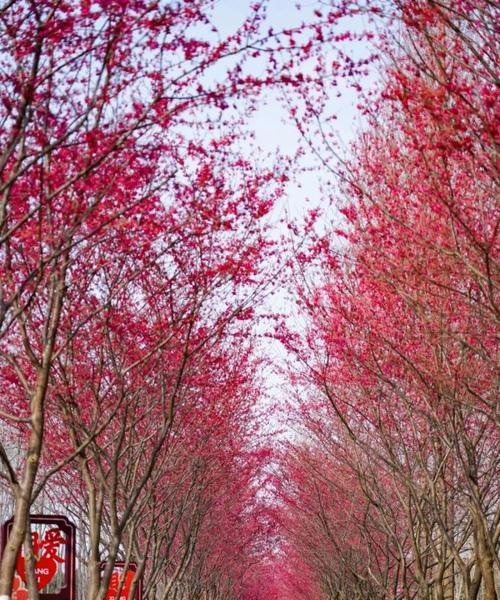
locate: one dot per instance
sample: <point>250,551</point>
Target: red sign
<point>18,592</point>
<point>53,539</point>
<point>47,559</point>
<point>127,577</point>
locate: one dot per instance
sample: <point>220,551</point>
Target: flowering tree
<point>95,106</point>
<point>134,253</point>
<point>130,223</point>
<point>401,340</point>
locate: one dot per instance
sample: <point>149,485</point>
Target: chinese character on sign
<point>53,541</point>
<point>119,575</point>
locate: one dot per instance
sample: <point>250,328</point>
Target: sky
<point>271,125</point>
<point>274,131</point>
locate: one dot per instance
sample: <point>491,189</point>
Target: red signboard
<point>53,539</point>
<point>127,577</point>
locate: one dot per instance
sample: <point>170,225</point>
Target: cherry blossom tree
<point>402,315</point>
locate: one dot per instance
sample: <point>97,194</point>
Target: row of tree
<point>393,484</point>
<point>134,251</point>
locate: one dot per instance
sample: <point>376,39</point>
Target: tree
<point>401,327</point>
<point>112,114</point>
<point>93,132</point>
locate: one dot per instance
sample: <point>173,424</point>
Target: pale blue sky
<point>274,130</point>
<point>272,127</point>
